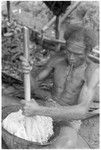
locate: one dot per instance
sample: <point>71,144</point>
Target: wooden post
<point>57,28</point>
<point>8,10</point>
<point>57,33</point>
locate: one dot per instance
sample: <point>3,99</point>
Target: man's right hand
<point>26,65</point>
<point>30,108</point>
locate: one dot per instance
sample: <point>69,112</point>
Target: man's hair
<point>78,33</point>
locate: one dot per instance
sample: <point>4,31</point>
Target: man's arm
<point>52,62</point>
<point>42,75</point>
<point>69,112</point>
<point>77,111</point>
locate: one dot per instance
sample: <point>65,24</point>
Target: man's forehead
<point>77,47</point>
<point>76,51</point>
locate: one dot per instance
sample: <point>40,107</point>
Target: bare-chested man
<point>75,85</point>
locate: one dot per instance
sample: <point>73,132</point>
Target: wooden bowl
<point>14,142</point>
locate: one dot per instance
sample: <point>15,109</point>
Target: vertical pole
<point>26,55</point>
<point>27,78</point>
<point>57,28</point>
<point>57,33</point>
<point>8,10</point>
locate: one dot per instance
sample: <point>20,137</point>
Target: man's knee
<point>68,132</point>
<point>65,143</point>
<point>66,139</point>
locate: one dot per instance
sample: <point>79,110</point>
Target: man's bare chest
<point>73,85</point>
<point>75,77</point>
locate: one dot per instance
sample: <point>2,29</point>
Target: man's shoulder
<point>92,72</point>
<point>91,68</point>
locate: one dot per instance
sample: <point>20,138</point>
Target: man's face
<point>76,52</point>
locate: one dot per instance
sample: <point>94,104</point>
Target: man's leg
<point>68,139</point>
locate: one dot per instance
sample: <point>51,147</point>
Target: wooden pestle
<point>27,87</point>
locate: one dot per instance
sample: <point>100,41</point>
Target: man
<point>75,85</point>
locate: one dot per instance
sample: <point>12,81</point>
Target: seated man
<point>75,84</point>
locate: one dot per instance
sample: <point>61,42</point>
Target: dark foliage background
<point>36,15</point>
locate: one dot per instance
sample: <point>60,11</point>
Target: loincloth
<point>75,124</point>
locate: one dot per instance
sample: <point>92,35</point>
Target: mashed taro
<point>41,127</point>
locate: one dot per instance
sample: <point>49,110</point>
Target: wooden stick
<point>56,41</point>
<point>57,33</point>
<point>26,55</point>
<point>94,58</point>
<point>57,28</point>
<point>62,19</point>
<point>27,78</point>
<point>49,24</point>
<point>96,51</point>
<point>69,12</point>
<point>38,35</point>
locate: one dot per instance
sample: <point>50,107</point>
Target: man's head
<point>80,41</point>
